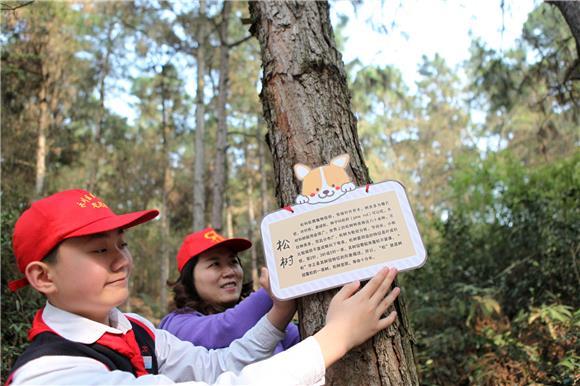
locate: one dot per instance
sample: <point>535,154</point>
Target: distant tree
<point>531,107</point>
<point>41,52</point>
<point>199,164</point>
<point>219,173</point>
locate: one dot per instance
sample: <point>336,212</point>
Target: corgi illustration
<point>325,183</point>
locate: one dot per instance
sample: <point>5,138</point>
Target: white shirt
<point>178,361</point>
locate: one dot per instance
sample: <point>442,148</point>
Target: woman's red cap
<point>71,213</point>
<point>201,241</point>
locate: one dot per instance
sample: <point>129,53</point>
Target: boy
<point>70,247</point>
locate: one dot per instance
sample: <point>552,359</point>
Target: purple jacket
<point>219,330</point>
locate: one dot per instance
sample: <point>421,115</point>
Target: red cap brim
<point>237,244</point>
<point>122,221</point>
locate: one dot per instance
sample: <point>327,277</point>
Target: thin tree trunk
<point>307,107</point>
<point>219,175</point>
<point>165,134</point>
<point>251,212</point>
<point>229,221</point>
<point>41,146</point>
<point>95,156</point>
<point>198,177</point>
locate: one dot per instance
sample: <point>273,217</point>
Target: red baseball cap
<point>201,241</point>
<point>63,215</point>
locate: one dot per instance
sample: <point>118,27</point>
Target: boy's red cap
<point>201,241</point>
<point>63,215</point>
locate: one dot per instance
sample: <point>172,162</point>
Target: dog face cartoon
<point>325,183</point>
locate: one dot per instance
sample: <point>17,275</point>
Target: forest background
<point>489,160</point>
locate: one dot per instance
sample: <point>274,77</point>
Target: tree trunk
<point>251,211</point>
<point>198,177</point>
<point>571,12</point>
<point>41,147</point>
<point>307,107</point>
<point>166,175</point>
<point>95,155</point>
<point>229,221</point>
<point>219,176</point>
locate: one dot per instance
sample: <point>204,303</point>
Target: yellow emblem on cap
<point>87,198</point>
<point>213,236</point>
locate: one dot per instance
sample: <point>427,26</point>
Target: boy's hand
<point>353,317</point>
<point>282,310</point>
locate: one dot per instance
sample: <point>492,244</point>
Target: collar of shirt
<point>80,329</point>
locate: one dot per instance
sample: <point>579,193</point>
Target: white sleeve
<point>74,370</point>
<point>182,361</point>
<point>302,364</point>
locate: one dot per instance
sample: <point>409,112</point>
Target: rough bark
<point>219,175</point>
<point>571,12</point>
<point>307,107</point>
<point>199,167</point>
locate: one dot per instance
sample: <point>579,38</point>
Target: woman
<point>212,305</point>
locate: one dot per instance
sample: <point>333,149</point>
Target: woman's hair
<point>185,296</point>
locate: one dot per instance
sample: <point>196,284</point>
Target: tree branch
<point>241,133</point>
<point>232,45</point>
<point>6,7</point>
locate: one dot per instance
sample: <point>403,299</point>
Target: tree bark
<point>251,211</point>
<point>306,104</point>
<point>95,155</point>
<point>229,221</point>
<point>199,167</point>
<point>220,170</point>
<point>571,12</point>
<point>41,147</point>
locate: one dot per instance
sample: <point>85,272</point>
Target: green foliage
<point>531,104</point>
<point>497,301</point>
<point>18,309</point>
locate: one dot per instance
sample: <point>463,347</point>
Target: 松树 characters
<point>325,183</point>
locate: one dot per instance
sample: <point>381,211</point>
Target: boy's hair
<point>53,219</point>
<point>50,257</point>
<point>186,298</point>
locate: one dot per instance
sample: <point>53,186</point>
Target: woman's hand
<point>282,310</point>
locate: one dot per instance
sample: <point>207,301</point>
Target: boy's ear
<point>39,276</point>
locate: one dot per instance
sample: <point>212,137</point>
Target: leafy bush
<point>497,301</point>
<point>18,309</point>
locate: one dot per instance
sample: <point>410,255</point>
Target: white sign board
<point>313,247</point>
